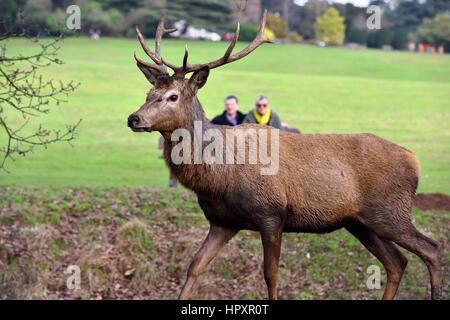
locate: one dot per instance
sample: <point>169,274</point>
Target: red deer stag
<point>359,182</point>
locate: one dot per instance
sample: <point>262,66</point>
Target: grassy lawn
<point>400,96</point>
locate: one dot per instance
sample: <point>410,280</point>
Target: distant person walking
<point>231,116</point>
<point>262,114</point>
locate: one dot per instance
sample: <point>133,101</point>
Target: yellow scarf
<point>262,119</point>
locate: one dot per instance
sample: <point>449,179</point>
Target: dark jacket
<point>274,120</point>
<point>222,119</point>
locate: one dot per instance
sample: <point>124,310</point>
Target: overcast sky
<point>359,3</point>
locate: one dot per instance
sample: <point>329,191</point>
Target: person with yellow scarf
<point>262,114</point>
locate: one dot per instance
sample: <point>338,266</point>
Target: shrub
<point>247,32</point>
<point>277,25</point>
<point>358,36</point>
<point>294,37</point>
<point>379,38</point>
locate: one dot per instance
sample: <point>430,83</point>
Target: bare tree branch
<point>23,91</point>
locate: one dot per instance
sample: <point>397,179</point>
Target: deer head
<point>170,104</point>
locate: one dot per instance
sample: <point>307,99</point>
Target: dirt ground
<point>137,244</point>
<point>432,201</point>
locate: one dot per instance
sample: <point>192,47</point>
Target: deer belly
<point>322,214</point>
<point>315,220</point>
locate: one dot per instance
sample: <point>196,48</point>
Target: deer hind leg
<point>392,259</point>
<point>393,223</point>
<point>425,248</point>
<point>217,237</point>
<point>271,241</point>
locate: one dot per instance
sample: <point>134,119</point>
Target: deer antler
<point>155,56</point>
<point>180,72</point>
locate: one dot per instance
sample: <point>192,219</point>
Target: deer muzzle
<point>135,124</point>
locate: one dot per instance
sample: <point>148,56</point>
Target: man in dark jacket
<point>231,116</point>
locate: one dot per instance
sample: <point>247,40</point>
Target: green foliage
<point>247,32</point>
<point>379,38</point>
<point>214,15</point>
<point>330,27</point>
<point>269,35</point>
<point>358,36</point>
<point>294,37</point>
<point>400,39</point>
<point>110,21</point>
<point>278,25</point>
<point>146,19</point>
<point>301,20</point>
<point>118,18</point>
<point>9,10</point>
<point>38,16</point>
<point>410,14</point>
<point>436,31</point>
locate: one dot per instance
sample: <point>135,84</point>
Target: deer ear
<point>198,79</point>
<point>151,74</point>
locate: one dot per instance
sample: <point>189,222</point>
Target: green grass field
<point>400,96</point>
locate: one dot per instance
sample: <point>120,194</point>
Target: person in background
<point>231,116</point>
<point>262,114</point>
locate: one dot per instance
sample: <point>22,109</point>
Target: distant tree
<point>358,36</point>
<point>409,14</point>
<point>109,21</point>
<point>302,20</point>
<point>380,38</point>
<point>248,31</point>
<point>330,27</point>
<point>214,15</point>
<point>436,31</point>
<point>269,34</point>
<point>125,6</point>
<point>400,39</point>
<point>355,19</point>
<point>42,16</point>
<point>278,25</point>
<point>145,18</point>
<point>303,17</point>
<point>294,37</point>
<point>318,7</point>
<point>25,95</point>
<point>8,13</point>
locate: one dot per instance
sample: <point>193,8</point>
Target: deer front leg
<point>217,237</point>
<point>271,240</point>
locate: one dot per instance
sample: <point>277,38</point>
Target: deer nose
<point>133,121</point>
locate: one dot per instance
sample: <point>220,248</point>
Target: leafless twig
<point>26,94</point>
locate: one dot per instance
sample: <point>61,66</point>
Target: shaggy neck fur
<point>198,177</point>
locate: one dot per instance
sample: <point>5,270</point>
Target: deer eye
<point>173,98</point>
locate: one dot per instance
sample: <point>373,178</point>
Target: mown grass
<point>129,243</point>
<point>401,96</point>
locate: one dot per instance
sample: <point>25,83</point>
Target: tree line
<point>403,21</point>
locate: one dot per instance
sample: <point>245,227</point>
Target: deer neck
<point>192,175</point>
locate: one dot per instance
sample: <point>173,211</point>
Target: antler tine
<point>160,32</point>
<point>147,50</point>
<point>227,57</point>
<point>185,58</point>
<point>233,43</point>
<point>155,56</point>
<point>148,65</point>
<point>180,72</point>
<point>259,40</point>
